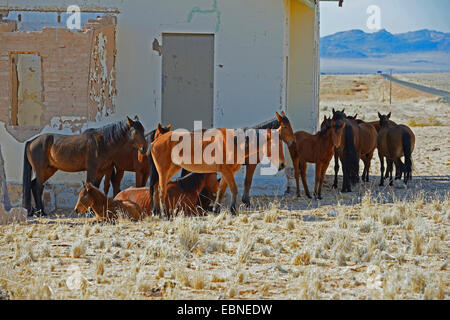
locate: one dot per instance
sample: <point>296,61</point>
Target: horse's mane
<point>268,124</point>
<point>191,182</point>
<point>112,132</point>
<point>323,131</point>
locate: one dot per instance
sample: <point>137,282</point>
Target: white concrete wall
<point>250,43</point>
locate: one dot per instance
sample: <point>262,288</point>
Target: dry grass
<point>370,250</point>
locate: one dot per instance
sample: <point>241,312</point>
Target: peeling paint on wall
<point>214,10</point>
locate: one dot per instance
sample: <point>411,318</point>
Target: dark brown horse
<point>347,153</point>
<point>106,209</point>
<point>128,158</point>
<point>367,144</point>
<point>395,141</point>
<point>183,195</point>
<point>93,151</point>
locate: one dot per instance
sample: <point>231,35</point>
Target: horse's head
<point>326,123</point>
<point>384,119</point>
<point>276,158</point>
<point>136,134</point>
<point>161,130</point>
<point>339,115</point>
<point>337,131</point>
<point>85,199</point>
<point>285,130</point>
<point>352,118</point>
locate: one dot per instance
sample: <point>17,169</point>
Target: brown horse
<point>317,148</point>
<point>183,195</point>
<point>395,141</point>
<point>398,171</point>
<point>106,209</point>
<point>251,167</point>
<point>367,144</point>
<point>222,158</point>
<point>93,151</point>
<point>129,158</point>
<point>347,152</point>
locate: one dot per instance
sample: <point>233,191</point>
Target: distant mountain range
<point>359,44</point>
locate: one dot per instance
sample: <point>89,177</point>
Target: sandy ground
<point>373,243</point>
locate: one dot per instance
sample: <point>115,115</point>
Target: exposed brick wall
<point>66,61</point>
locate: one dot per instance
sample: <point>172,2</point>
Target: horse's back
<point>140,196</point>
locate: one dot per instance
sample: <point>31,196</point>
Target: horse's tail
<point>26,180</point>
<point>350,154</point>
<point>407,168</point>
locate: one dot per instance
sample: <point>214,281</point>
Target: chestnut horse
<point>251,167</point>
<point>182,194</point>
<point>367,144</point>
<point>106,209</point>
<point>347,152</point>
<point>93,151</point>
<point>395,141</point>
<point>314,148</point>
<point>129,159</point>
<point>223,159</point>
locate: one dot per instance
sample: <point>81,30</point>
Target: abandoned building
<point>228,63</point>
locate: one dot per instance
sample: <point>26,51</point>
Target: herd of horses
<point>109,151</point>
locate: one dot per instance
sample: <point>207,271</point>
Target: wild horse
<point>128,158</point>
<point>93,151</point>
<point>166,167</point>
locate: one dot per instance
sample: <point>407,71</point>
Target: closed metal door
<point>187,80</point>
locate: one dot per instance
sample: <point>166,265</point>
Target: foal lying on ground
<point>182,194</point>
<point>106,209</point>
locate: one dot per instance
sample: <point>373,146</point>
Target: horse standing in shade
<point>367,144</point>
<point>129,159</point>
<point>314,148</point>
<point>166,168</point>
<point>395,141</point>
<point>92,151</point>
<point>347,153</point>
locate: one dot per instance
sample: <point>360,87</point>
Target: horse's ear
<point>136,118</point>
<point>130,122</point>
<point>355,116</point>
<point>282,113</point>
<point>389,115</point>
<point>325,118</point>
<point>343,110</point>
<point>88,186</point>
<point>159,127</point>
<point>334,111</point>
<point>379,115</point>
<point>84,184</point>
<point>169,126</point>
<point>278,116</point>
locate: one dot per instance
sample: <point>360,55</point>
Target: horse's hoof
<point>233,210</point>
<point>334,186</point>
<point>309,196</point>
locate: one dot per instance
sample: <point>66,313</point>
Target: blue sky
<point>397,16</point>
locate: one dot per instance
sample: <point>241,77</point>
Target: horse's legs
<point>317,180</point>
<point>382,170</point>
<point>303,165</point>
<point>38,187</point>
<point>322,178</point>
<point>164,178</point>
<point>228,175</point>
<point>399,167</point>
<point>117,179</point>
<point>222,189</point>
<point>107,181</point>
<point>336,169</point>
<point>389,169</point>
<point>346,177</point>
<point>296,163</point>
<point>249,171</point>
